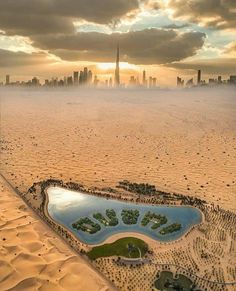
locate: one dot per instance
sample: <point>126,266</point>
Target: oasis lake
<point>67,207</point>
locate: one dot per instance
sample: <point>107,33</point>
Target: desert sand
<point>182,141</point>
<point>32,257</point>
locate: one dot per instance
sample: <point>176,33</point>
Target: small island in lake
<point>87,225</point>
<point>156,219</point>
<point>130,216</point>
<point>111,214</point>
<point>170,228</point>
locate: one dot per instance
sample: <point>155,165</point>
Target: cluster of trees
<point>166,281</point>
<point>110,213</point>
<point>157,219</point>
<point>87,225</point>
<point>142,188</point>
<point>171,228</point>
<point>130,216</point>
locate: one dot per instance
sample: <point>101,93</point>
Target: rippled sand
<point>32,257</point>
<point>182,141</point>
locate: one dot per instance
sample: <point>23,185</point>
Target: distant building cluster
<point>201,83</point>
<point>77,79</point>
<point>85,78</point>
<point>150,82</point>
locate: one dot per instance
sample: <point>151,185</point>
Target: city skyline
<point>86,78</point>
<point>155,36</point>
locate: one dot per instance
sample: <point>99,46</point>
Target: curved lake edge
<point>120,234</point>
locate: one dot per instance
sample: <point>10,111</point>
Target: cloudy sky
<point>47,38</point>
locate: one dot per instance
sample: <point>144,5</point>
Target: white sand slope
<point>32,257</point>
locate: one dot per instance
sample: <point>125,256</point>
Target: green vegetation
<point>110,213</point>
<point>128,247</point>
<point>168,283</point>
<point>171,228</point>
<point>130,216</point>
<point>142,188</point>
<point>156,219</point>
<point>87,225</point>
<point>98,216</point>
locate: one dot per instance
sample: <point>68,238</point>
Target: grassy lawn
<point>120,248</point>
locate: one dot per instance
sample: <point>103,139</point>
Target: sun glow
<point>111,66</point>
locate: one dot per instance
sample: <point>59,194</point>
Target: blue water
<point>66,206</point>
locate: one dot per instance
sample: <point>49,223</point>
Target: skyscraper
<point>154,82</point>
<point>69,81</point>
<point>96,81</point>
<point>117,71</point>
<point>81,77</point>
<point>76,77</point>
<point>199,77</point>
<point>85,75</point>
<point>90,77</point>
<point>7,79</point>
<point>232,79</point>
<point>35,81</point>
<point>144,78</point>
<point>150,82</point>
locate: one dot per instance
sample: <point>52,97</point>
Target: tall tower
<point>199,77</point>
<point>85,75</point>
<point>76,78</point>
<point>144,78</point>
<point>7,79</point>
<point>90,77</point>
<point>117,71</point>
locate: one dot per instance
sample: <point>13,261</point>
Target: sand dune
<point>34,258</point>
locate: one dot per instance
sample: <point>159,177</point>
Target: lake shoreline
<point>122,234</point>
<point>210,212</point>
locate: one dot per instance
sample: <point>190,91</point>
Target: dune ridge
<point>32,257</point>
